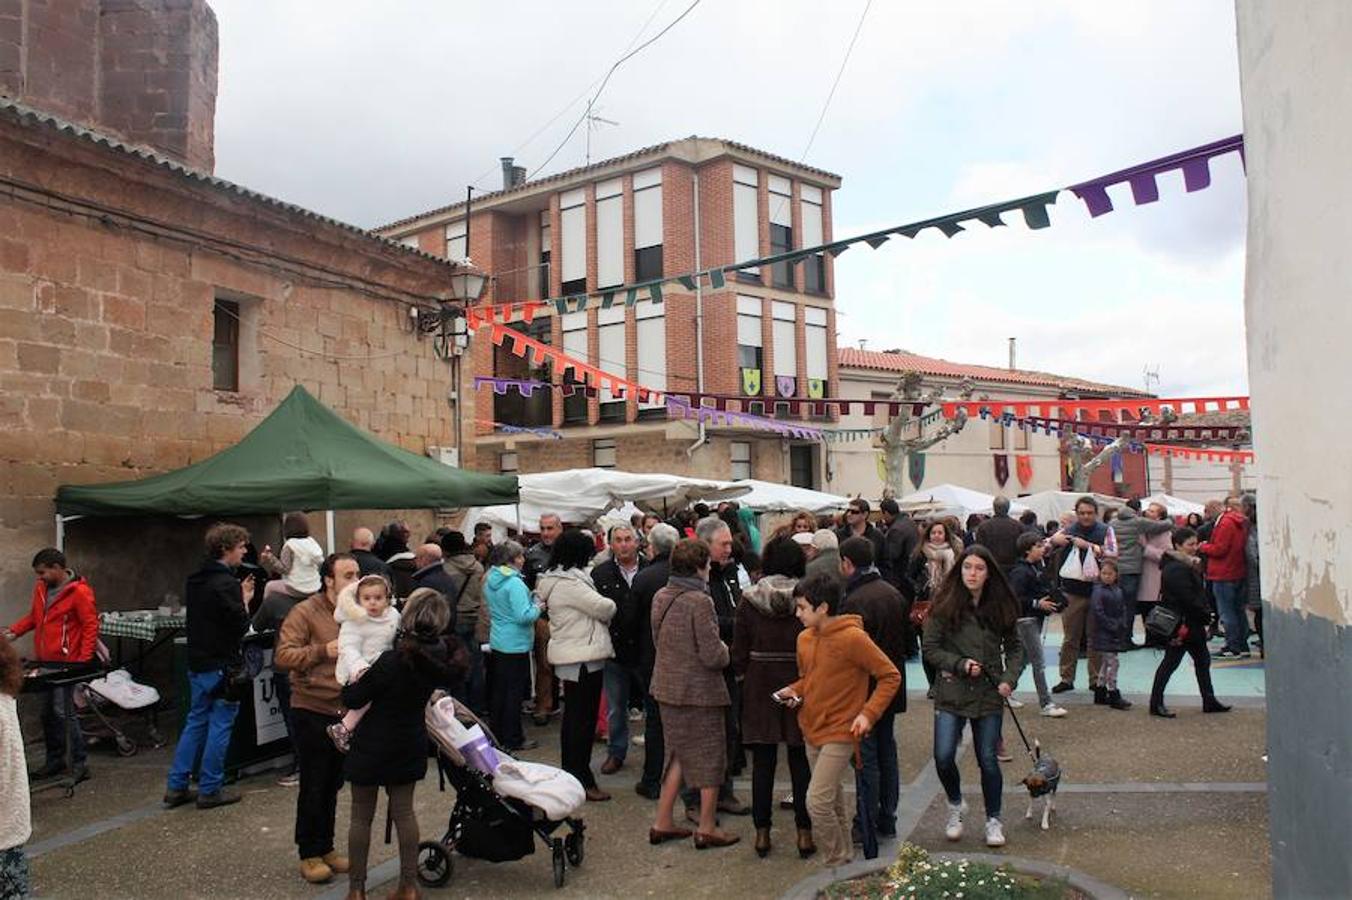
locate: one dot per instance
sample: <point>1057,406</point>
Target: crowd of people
<point>724,642</point>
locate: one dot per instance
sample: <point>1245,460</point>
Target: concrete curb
<point>809,888</point>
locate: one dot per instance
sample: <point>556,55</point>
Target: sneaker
<point>291,779</point>
<point>1052,711</point>
<point>220,798</point>
<point>173,798</point>
<point>341,737</point>
<point>1003,755</point>
<point>1225,653</point>
<point>635,715</point>
<point>1015,703</point>
<point>1063,687</point>
<point>995,833</point>
<point>638,740</point>
<point>953,830</point>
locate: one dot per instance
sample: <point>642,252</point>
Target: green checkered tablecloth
<point>143,625</point>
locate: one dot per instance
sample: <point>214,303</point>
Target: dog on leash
<point>1042,782</point>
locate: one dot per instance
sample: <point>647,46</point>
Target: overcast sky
<point>371,112</point>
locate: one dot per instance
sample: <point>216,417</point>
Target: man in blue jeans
<point>217,620</point>
<point>614,579</point>
<point>870,596</point>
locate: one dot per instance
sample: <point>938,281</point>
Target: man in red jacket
<point>1226,568</point>
<point>65,629</point>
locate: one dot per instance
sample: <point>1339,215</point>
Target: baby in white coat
<point>366,626</point>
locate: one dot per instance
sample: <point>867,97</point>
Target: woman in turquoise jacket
<point>512,613</point>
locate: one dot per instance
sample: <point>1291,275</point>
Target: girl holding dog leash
<point>971,642</point>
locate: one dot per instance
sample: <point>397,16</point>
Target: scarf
<point>938,560</point>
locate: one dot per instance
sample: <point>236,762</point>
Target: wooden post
<point>1168,486</point>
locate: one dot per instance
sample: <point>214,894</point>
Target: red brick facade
<point>506,250</point>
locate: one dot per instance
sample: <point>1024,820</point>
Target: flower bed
<point>916,876</point>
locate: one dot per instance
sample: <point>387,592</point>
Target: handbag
<point>1090,567</point>
<point>1162,623</point>
<point>237,679</point>
<point>920,611</point>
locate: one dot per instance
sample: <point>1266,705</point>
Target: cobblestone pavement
<point>1162,808</point>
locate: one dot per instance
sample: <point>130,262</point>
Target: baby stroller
<point>501,804</point>
<point>108,705</point>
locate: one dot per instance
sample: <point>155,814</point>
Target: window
<point>573,221</point>
<point>1021,439</point>
<point>512,408</point>
<point>603,453</point>
<point>746,217</point>
<point>610,233</point>
<point>610,358</point>
<point>749,344</point>
<point>648,225</point>
<point>815,345</point>
<point>784,339</point>
<point>457,247</point>
<point>802,466</point>
<point>507,463</point>
<point>546,249</point>
<point>652,354</point>
<point>225,346</point>
<point>781,230</point>
<point>741,460</point>
<point>814,267</point>
<point>997,432</point>
<point>575,345</point>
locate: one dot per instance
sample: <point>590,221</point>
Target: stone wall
<point>106,332</point>
<point>143,70</point>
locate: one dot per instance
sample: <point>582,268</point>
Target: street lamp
<point>447,323</point>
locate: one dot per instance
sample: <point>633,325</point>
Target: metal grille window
<point>603,453</point>
<point>225,346</point>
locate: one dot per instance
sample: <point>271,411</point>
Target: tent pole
<point>60,533</point>
<point>328,522</point>
<point>518,520</point>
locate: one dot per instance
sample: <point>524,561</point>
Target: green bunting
<point>717,280</point>
<point>655,292</point>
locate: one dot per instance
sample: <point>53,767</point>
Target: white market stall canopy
<point>951,500</point>
<point>1177,506</point>
<point>579,496</point>
<point>1050,505</point>
<point>767,497</point>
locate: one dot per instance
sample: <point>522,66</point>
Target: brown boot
<point>805,845</point>
<point>339,864</point>
<point>315,870</point>
<point>762,842</point>
<point>407,890</point>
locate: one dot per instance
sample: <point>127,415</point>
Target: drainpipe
<point>699,326</point>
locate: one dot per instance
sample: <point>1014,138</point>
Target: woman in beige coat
<point>688,686</point>
<point>579,645</point>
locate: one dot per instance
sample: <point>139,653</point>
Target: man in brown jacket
<point>307,647</point>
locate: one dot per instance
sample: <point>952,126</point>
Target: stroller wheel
<point>435,864</point>
<point>573,847</point>
<point>560,865</point>
<point>125,746</point>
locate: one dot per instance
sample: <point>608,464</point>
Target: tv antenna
<point>1151,376</point>
<point>593,123</point>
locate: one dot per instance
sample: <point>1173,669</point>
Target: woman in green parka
<point>971,643</point>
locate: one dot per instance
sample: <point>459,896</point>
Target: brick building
<point>658,212</point>
<point>151,314</point>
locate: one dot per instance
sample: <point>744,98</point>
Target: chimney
<point>512,175</point>
<point>1011,353</point>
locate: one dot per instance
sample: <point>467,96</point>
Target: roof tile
<point>904,361</point>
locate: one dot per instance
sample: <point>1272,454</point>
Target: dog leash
<point>1023,737</point>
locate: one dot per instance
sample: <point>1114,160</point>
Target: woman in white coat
<point>579,645</point>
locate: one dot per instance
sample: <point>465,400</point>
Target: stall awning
<point>302,456</point>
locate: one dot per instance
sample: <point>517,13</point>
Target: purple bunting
<point>1194,163</point>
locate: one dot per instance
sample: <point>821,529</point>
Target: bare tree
<point>897,447</point>
<point>1084,460</point>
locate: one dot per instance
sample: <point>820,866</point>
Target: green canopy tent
<point>302,456</point>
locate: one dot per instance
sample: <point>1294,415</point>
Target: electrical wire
<point>606,80</point>
<point>571,103</point>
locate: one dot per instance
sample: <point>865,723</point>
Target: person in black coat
<point>431,573</point>
<point>390,746</point>
<point>651,579</point>
<point>1182,591</point>
<point>901,537</point>
<point>883,609</point>
<point>217,620</point>
<point>858,525</point>
<point>613,579</point>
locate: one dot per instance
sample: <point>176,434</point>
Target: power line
<point>571,103</point>
<point>606,80</point>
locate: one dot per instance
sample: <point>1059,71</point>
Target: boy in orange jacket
<point>836,659</point>
<point>65,626</point>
